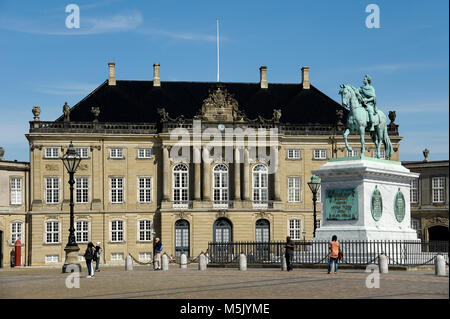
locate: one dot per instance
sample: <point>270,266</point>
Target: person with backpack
<point>335,254</point>
<point>289,254</point>
<point>157,253</point>
<point>98,253</point>
<point>89,256</point>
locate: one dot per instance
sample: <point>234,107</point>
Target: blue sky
<point>44,63</point>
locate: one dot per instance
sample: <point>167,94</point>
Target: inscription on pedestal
<point>376,204</point>
<point>342,204</point>
<point>399,206</point>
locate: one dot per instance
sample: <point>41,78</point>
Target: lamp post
<point>71,161</point>
<point>314,185</point>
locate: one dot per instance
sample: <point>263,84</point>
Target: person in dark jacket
<point>97,256</point>
<point>157,253</point>
<point>89,256</point>
<point>289,253</point>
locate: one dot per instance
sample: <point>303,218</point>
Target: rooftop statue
<point>363,113</point>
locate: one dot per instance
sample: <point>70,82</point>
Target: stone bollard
<point>383,264</point>
<point>439,266</point>
<point>283,263</point>
<point>129,263</point>
<point>183,261</point>
<point>202,262</point>
<point>242,262</point>
<point>165,262</point>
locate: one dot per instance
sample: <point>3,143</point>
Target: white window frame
<point>414,190</point>
<point>294,228</point>
<point>320,153</point>
<point>53,190</point>
<point>114,229</point>
<point>83,232</point>
<point>222,188</point>
<point>438,189</point>
<point>81,190</point>
<point>116,194</point>
<point>355,152</point>
<point>116,152</point>
<point>260,186</point>
<point>51,259</point>
<point>145,153</point>
<point>145,193</point>
<point>51,152</point>
<point>52,232</point>
<point>83,152</point>
<point>15,191</point>
<point>145,256</point>
<point>382,153</point>
<point>180,186</point>
<point>16,231</point>
<point>294,189</point>
<point>145,229</point>
<point>114,256</point>
<point>293,153</point>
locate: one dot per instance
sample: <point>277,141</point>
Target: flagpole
<point>218,79</point>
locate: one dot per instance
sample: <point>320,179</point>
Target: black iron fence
<point>405,253</point>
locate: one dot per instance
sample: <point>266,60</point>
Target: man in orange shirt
<point>334,254</point>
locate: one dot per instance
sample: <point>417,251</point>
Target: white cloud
<point>428,106</point>
<point>179,35</point>
<point>398,66</point>
<point>65,88</point>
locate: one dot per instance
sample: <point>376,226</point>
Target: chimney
<point>305,78</point>
<point>156,80</point>
<point>263,77</point>
<point>112,73</point>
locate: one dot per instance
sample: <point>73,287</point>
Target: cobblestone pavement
<point>143,282</point>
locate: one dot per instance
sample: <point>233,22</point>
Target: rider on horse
<point>368,99</point>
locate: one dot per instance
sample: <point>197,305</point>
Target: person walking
<point>98,253</point>
<point>289,254</point>
<point>157,253</point>
<point>334,248</point>
<point>89,256</point>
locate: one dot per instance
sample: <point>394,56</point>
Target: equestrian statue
<point>364,113</point>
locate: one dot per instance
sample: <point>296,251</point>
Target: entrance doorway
<point>438,233</point>
<point>181,238</point>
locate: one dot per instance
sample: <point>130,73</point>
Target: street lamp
<point>71,161</point>
<point>314,185</point>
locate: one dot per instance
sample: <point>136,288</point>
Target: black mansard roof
<point>138,101</point>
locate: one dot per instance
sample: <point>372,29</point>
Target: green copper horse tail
<point>387,143</point>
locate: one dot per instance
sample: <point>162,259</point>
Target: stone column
<point>277,174</point>
<point>166,172</point>
<point>246,175</point>
<point>206,175</point>
<point>237,174</point>
<point>197,168</point>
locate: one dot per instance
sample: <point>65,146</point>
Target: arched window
<point>180,185</point>
<point>181,237</point>
<point>262,230</point>
<point>260,185</point>
<point>220,185</point>
<point>223,231</point>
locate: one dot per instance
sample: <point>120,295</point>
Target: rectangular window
<point>82,190</point>
<point>52,152</point>
<point>52,190</point>
<point>117,190</point>
<point>294,229</point>
<point>82,231</point>
<point>438,189</point>
<point>320,154</point>
<point>293,154</point>
<point>294,189</point>
<point>16,191</point>
<point>83,152</point>
<point>145,189</point>
<point>116,256</point>
<point>52,232</point>
<point>117,231</point>
<point>51,259</point>
<point>353,153</point>
<point>145,256</point>
<point>116,153</point>
<point>382,153</point>
<point>145,230</point>
<point>16,231</point>
<point>414,190</point>
<point>144,153</point>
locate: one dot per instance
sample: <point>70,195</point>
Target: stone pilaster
<point>237,174</point>
<point>206,175</point>
<point>166,177</point>
<point>197,168</point>
<point>246,175</point>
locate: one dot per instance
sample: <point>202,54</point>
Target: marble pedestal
<point>360,197</point>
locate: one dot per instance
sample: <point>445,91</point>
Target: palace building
<point>133,185</point>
